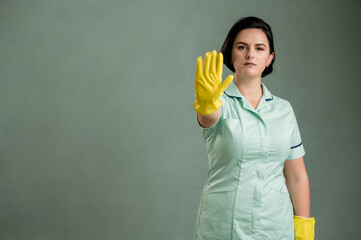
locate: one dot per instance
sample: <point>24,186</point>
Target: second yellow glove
<point>304,228</point>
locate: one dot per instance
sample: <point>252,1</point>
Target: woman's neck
<point>250,88</point>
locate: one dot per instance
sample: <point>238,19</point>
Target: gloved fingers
<point>213,63</point>
<point>207,63</point>
<point>226,82</point>
<point>199,69</point>
<point>201,80</point>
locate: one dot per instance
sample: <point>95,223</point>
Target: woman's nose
<point>250,53</point>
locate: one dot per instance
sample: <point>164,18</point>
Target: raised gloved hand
<point>304,228</point>
<point>208,83</point>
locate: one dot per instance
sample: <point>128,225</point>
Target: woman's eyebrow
<point>258,44</point>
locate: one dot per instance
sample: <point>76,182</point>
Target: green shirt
<point>245,196</point>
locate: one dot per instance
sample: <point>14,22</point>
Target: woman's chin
<point>250,74</point>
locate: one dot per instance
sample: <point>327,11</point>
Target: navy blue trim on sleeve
<point>297,145</point>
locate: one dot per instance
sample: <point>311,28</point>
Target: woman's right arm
<point>209,88</point>
<point>209,120</point>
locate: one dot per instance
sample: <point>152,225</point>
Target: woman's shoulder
<point>281,102</point>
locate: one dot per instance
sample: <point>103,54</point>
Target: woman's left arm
<point>298,186</point>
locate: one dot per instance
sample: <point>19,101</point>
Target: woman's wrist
<point>302,217</point>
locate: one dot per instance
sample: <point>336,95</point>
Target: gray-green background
<point>98,136</point>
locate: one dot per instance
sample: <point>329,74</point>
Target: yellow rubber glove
<point>304,228</point>
<point>208,83</point>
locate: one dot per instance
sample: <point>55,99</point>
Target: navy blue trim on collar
<point>232,96</point>
<point>269,99</point>
<point>232,91</point>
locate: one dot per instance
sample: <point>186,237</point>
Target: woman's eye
<point>243,47</point>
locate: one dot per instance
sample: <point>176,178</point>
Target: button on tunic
<point>245,196</point>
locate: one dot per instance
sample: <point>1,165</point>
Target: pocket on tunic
<point>215,220</point>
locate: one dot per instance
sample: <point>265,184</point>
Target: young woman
<point>257,186</point>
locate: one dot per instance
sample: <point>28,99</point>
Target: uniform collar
<point>232,91</point>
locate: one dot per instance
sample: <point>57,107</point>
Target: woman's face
<point>250,53</point>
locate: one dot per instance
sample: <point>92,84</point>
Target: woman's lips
<point>250,64</point>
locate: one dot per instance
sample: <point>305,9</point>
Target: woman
<point>257,186</point>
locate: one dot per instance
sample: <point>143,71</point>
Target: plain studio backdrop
<point>98,135</point>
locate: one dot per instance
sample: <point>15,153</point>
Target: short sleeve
<point>297,149</point>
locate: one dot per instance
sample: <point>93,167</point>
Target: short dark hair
<point>239,25</point>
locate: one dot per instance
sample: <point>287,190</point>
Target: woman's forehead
<point>251,36</point>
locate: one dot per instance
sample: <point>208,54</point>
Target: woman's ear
<point>270,58</point>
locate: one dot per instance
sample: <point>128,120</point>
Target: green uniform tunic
<point>245,196</point>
